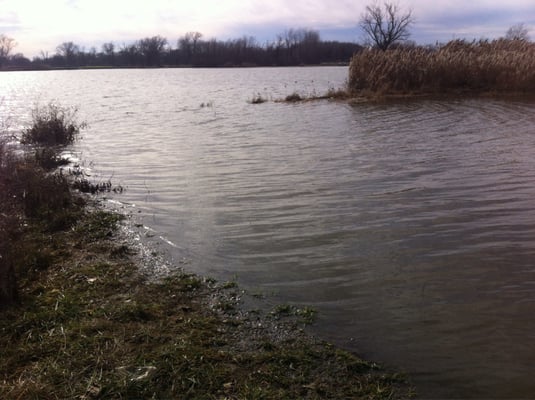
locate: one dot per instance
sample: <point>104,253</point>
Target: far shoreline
<point>105,67</point>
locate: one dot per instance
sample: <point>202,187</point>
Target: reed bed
<point>498,66</point>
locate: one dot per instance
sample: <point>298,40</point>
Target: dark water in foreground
<point>410,226</point>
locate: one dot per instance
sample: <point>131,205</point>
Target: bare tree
<point>518,32</point>
<point>188,45</point>
<point>194,38</point>
<point>7,44</point>
<point>386,26</point>
<point>69,51</point>
<point>108,49</point>
<point>44,55</point>
<point>108,52</point>
<point>129,54</point>
<point>151,48</point>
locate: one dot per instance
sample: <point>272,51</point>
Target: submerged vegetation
<point>258,99</point>
<point>81,319</point>
<point>458,67</point>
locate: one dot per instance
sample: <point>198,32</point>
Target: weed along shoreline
<point>83,316</point>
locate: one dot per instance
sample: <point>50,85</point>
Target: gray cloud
<point>39,25</point>
<point>9,21</point>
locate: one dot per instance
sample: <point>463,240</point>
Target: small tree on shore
<point>108,50</point>
<point>385,26</point>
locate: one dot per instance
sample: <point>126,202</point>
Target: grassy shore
<point>83,321</point>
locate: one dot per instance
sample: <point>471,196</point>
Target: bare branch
<point>7,44</point>
<point>386,26</point>
<point>518,32</point>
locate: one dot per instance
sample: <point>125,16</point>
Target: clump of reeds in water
<point>258,99</point>
<point>500,66</point>
<point>85,186</point>
<point>52,125</point>
<point>294,97</point>
<point>81,183</point>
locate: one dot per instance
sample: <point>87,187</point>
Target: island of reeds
<point>459,67</point>
<point>82,317</point>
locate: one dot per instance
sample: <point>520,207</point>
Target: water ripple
<point>410,225</point>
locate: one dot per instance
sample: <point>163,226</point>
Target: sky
<point>41,25</point>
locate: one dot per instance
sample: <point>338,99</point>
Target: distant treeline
<point>293,47</point>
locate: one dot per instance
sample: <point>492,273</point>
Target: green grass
<point>89,324</point>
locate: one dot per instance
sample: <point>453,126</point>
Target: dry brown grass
<point>30,191</point>
<point>500,66</point>
<point>8,228</point>
<point>27,193</point>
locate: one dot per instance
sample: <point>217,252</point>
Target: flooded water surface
<point>409,226</point>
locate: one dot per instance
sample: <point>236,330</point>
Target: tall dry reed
<point>458,66</point>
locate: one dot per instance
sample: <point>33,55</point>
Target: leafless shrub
<point>517,32</point>
<point>52,125</point>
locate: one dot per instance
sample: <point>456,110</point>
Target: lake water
<point>409,226</point>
